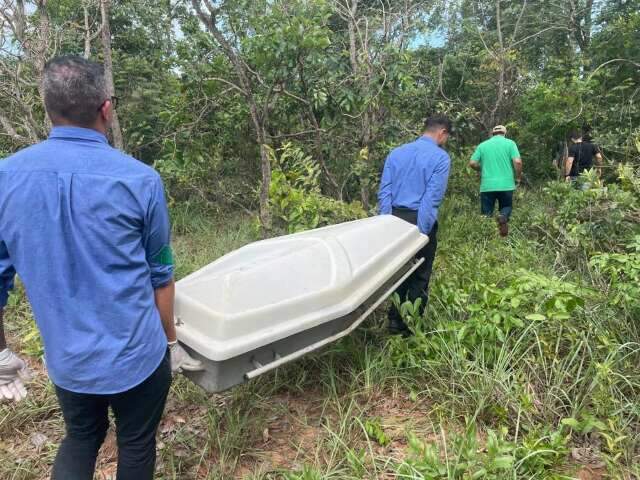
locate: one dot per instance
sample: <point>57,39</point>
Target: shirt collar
<point>427,139</point>
<point>77,133</point>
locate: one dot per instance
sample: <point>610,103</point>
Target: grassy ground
<point>517,370</point>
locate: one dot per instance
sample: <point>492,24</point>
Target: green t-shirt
<point>495,158</point>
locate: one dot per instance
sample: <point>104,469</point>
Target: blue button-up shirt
<point>415,176</point>
<point>87,230</point>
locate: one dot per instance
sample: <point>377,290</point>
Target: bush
<point>596,217</point>
<point>294,194</point>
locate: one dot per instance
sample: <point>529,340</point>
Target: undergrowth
<point>524,364</point>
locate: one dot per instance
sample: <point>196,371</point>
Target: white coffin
<point>272,289</point>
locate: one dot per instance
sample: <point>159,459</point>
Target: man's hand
<point>13,371</point>
<point>181,360</point>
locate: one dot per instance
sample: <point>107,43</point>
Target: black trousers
<point>137,414</point>
<point>417,284</point>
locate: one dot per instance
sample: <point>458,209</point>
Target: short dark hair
<point>74,89</point>
<point>574,135</point>
<point>437,121</point>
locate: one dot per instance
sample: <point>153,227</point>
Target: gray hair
<point>74,89</point>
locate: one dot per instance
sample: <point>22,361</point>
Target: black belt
<point>403,210</point>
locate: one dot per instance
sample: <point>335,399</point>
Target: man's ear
<point>106,112</point>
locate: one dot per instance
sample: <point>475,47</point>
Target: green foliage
<point>507,337</point>
<point>464,458</point>
<point>586,424</point>
<point>19,308</point>
<point>307,473</point>
<point>375,432</point>
<point>528,347</point>
<point>492,314</point>
<point>295,197</point>
<point>540,452</point>
<point>623,272</point>
<point>596,217</point>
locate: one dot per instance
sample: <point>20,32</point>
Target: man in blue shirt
<point>412,187</point>
<point>87,229</point>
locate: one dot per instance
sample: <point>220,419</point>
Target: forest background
<point>207,89</point>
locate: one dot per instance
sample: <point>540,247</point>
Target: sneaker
<point>503,225</point>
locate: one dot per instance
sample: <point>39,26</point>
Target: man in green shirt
<point>500,166</point>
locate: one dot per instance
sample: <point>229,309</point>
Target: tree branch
<point>10,131</point>
<point>614,60</point>
<point>516,28</point>
<point>227,82</point>
<point>533,35</point>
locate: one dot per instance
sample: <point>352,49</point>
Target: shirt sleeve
<point>477,156</point>
<point>7,274</point>
<point>515,153</point>
<point>157,237</point>
<point>572,151</point>
<point>385,194</point>
<point>432,198</point>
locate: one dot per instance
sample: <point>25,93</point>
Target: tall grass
<point>561,374</point>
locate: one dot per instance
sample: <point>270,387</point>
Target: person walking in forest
<point>500,167</point>
<point>86,228</point>
<point>413,184</point>
<point>581,156</point>
<point>560,157</point>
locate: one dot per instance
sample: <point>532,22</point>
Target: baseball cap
<point>499,129</point>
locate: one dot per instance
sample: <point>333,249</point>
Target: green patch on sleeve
<point>164,256</point>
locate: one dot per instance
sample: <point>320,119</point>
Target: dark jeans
<point>417,284</point>
<point>505,203</point>
<point>137,414</point>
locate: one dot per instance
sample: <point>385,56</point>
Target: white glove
<point>181,360</point>
<point>13,371</point>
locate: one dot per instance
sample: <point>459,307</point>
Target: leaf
<point>480,473</point>
<point>461,333</point>
<point>570,422</point>
<point>504,462</point>
<point>536,317</point>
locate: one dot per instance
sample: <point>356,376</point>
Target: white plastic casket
<point>274,300</point>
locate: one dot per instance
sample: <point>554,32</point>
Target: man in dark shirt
<point>581,157</point>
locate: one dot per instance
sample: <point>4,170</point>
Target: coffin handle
<point>325,341</point>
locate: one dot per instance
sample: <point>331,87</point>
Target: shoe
<point>398,327</point>
<point>503,225</point>
<point>404,332</point>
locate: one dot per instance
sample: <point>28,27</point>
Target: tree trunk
<point>168,28</point>
<point>353,53</point>
<point>87,32</point>
<point>246,87</point>
<point>40,52</point>
<point>365,190</point>
<point>365,139</point>
<point>116,131</point>
<point>20,21</point>
<point>318,142</point>
<point>265,211</point>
